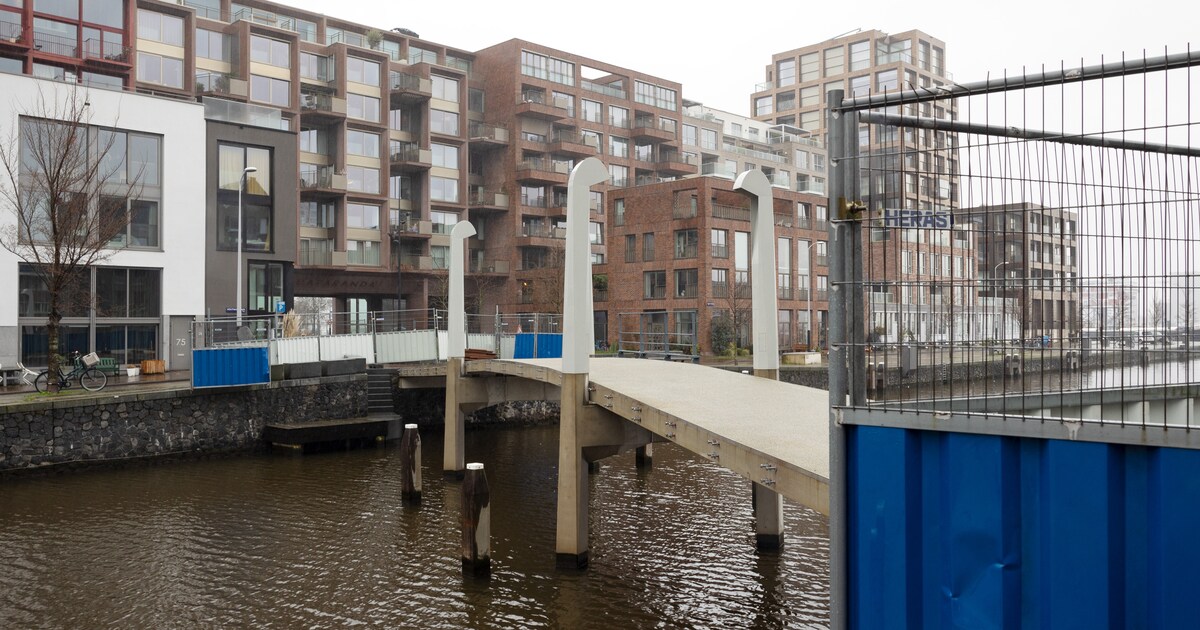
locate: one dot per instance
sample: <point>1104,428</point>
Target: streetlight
<point>241,184</point>
<point>996,294</point>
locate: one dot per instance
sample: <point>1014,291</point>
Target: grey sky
<point>718,50</point>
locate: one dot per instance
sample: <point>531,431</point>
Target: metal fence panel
<point>406,346</point>
<point>343,346</point>
<point>218,367</point>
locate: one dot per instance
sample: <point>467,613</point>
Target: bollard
<point>410,465</point>
<point>476,522</point>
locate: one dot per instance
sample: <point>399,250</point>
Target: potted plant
<point>374,37</point>
<point>132,370</point>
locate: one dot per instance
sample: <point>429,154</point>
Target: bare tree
<point>547,280</point>
<point>1158,313</point>
<point>736,305</point>
<point>68,188</point>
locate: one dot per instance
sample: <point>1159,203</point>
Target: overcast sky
<point>719,57</point>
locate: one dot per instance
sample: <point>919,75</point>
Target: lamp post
<point>395,233</point>
<point>996,294</point>
<point>241,185</point>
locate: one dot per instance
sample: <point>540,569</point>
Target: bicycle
<point>88,376</point>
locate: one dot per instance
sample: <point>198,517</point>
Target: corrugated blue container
<point>218,367</point>
<point>950,530</point>
<point>549,346</point>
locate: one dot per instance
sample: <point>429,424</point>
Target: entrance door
<point>179,357</point>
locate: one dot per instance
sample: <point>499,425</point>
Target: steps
<point>379,390</point>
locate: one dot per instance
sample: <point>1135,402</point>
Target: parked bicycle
<point>88,376</point>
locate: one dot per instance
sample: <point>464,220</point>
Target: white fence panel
<point>405,346</point>
<point>508,346</point>
<point>295,350</point>
<point>342,346</point>
<point>482,341</point>
<point>443,342</point>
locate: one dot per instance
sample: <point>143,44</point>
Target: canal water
<point>286,541</point>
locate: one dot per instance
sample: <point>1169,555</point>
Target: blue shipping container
<point>952,530</point>
<point>218,367</point>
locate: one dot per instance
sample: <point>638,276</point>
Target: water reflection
<point>279,541</point>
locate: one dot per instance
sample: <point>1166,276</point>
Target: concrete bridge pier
<point>644,457</point>
<point>571,540</point>
<point>768,518</point>
<point>453,454</point>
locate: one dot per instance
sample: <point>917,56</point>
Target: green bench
<point>109,366</point>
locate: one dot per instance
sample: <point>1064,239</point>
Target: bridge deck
<point>765,430</point>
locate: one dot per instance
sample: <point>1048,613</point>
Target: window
<point>618,116</point>
<point>618,175</point>
<point>257,200</point>
<point>720,283</point>
<point>443,122</point>
<point>689,135</point>
<point>154,26</point>
<point>445,88</point>
<point>362,71</point>
<point>810,120</point>
<point>786,72</point>
<point>549,68</point>
<point>810,67</point>
<point>315,67</point>
<point>443,189</point>
<point>265,286</point>
<point>720,245</point>
<point>687,283</point>
<point>362,179</point>
<point>687,243</point>
<point>105,12</point>
<point>590,111</point>
<point>317,214</point>
<point>887,80</point>
<point>362,143</point>
<point>619,211</point>
<point>653,95</point>
<point>596,233</point>
<point>860,55</point>
<point>618,147</point>
<point>166,71</point>
<point>363,253</point>
<point>785,101</point>
<point>741,251</point>
<point>708,139</point>
<point>440,255</point>
<point>212,45</point>
<point>362,216</point>
<point>835,59</point>
<point>445,156</point>
<point>631,248</point>
<point>648,246</point>
<point>762,106</point>
<point>475,100</point>
<point>443,222</point>
<point>270,90</point>
<point>362,107</point>
<point>654,285</point>
<point>270,51</point>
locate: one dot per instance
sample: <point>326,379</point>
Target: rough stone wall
<point>427,407</point>
<point>168,423</point>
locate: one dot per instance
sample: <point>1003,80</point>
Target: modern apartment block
<point>137,303</point>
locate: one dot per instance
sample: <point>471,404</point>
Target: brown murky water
<point>322,541</point>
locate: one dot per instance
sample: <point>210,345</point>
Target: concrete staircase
<point>379,390</point>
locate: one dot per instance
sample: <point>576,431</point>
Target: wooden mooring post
<point>476,522</point>
<point>410,465</point>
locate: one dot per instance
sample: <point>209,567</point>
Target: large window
<point>362,179</point>
<point>654,95</point>
<point>445,155</point>
<point>362,253</point>
<point>590,111</point>
<point>618,147</point>
<point>362,71</point>
<point>166,71</point>
<point>687,283</point>
<point>158,27</point>
<point>257,200</point>
<point>443,122</point>
<point>810,67</point>
<point>362,143</point>
<point>277,92</point>
<point>445,88</point>
<point>270,51</point>
<point>860,55</point>
<point>687,243</point>
<point>362,107</point>
<point>443,189</point>
<point>317,214</point>
<point>618,116</point>
<point>786,73</point>
<point>265,286</point>
<point>654,285</point>
<point>543,67</point>
<point>212,45</point>
<point>360,216</point>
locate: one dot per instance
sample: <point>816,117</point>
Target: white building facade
<point>145,295</point>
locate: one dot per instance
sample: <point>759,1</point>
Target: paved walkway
<point>14,394</point>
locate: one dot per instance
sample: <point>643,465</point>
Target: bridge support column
<point>571,544</point>
<point>454,457</point>
<point>644,457</point>
<point>768,518</point>
<point>768,373</point>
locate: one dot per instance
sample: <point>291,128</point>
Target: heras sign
<point>930,219</point>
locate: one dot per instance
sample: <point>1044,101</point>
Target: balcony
<point>486,136</point>
<point>599,296</point>
<point>409,157</point>
<point>479,265</point>
<point>543,171</point>
<point>322,106</point>
<point>537,105</point>
<point>574,144</point>
<point>483,199</point>
<point>644,128</point>
<point>600,88</point>
<point>735,213</point>
<point>107,53</point>
<point>321,179</point>
<point>409,89</point>
<point>411,227</point>
<point>13,36</point>
<point>674,163</point>
<point>220,84</point>
<point>540,235</point>
<point>717,170</point>
<point>413,262</point>
<point>55,45</point>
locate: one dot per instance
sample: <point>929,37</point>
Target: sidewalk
<point>121,384</point>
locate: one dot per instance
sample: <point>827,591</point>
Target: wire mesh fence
<point>1032,234</point>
